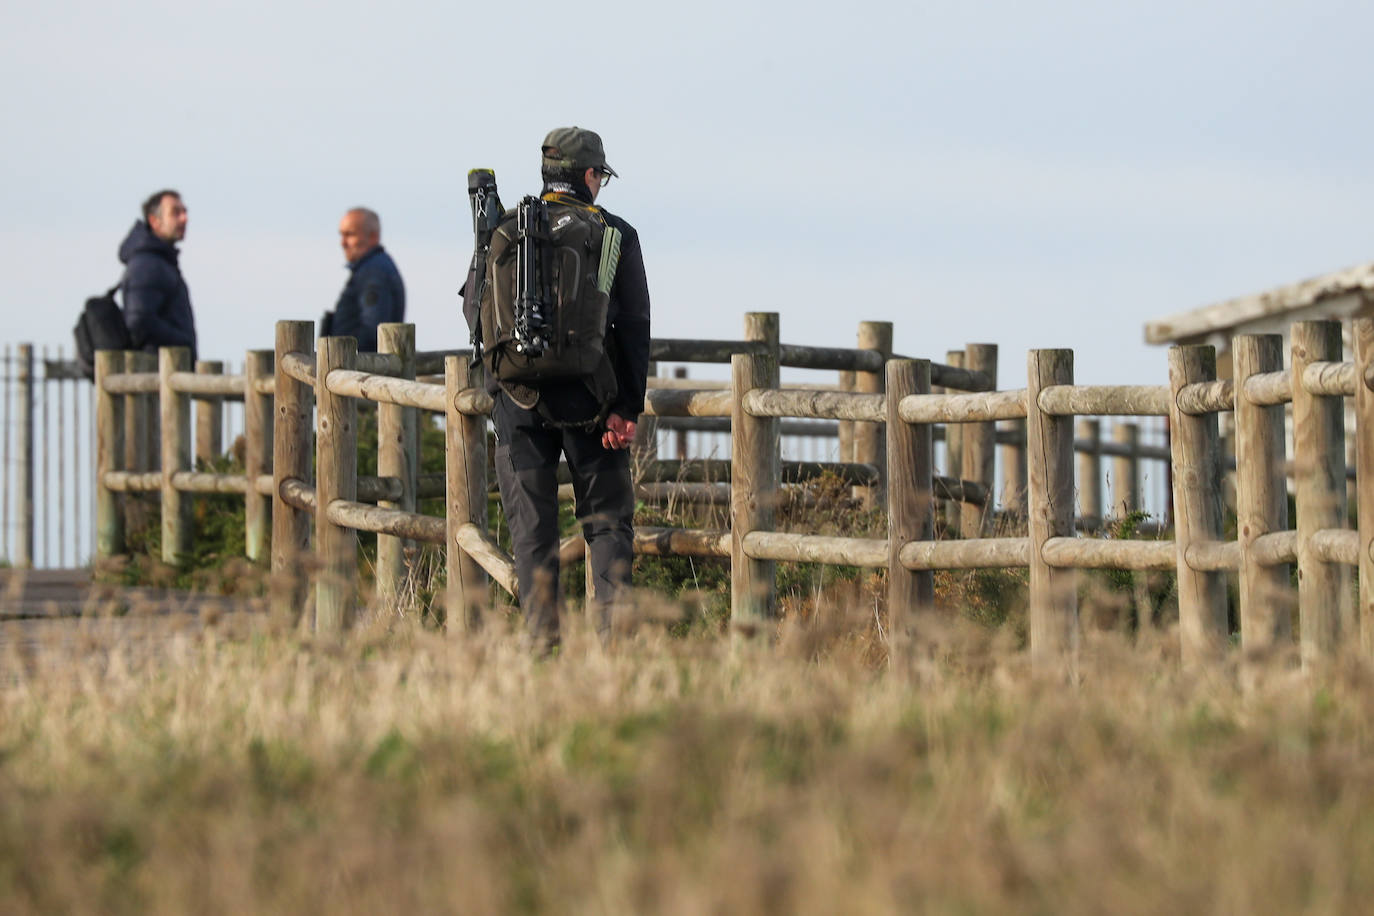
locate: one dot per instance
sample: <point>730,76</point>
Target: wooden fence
<point>893,407</point>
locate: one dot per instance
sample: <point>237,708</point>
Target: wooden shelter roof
<point>1334,295</point>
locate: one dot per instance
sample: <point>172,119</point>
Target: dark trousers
<point>527,451</point>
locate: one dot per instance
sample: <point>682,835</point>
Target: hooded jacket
<point>157,304</point>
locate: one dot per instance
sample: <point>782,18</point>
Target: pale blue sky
<point>1033,175</point>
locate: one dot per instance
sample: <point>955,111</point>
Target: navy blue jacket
<point>157,304</point>
<point>374,294</point>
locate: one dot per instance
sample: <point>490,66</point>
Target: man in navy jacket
<point>157,304</point>
<point>374,292</point>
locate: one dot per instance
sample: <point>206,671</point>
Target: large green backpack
<point>578,254</point>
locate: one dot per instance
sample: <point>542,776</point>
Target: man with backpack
<point>157,304</point>
<point>563,324</point>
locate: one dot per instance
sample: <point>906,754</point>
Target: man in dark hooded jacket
<point>157,304</point>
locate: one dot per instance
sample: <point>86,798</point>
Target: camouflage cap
<point>576,148</point>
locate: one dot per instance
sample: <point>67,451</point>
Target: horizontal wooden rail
<point>205,482</point>
<point>383,389</point>
<point>1105,400</point>
<point>686,350</point>
<point>1335,545</point>
<point>1100,553</point>
<point>265,385</point>
<point>473,402</point>
<point>1213,556</point>
<point>842,359</point>
<point>133,481</point>
<point>1265,389</point>
<point>1200,398</point>
<point>229,387</point>
<point>665,403</point>
<point>300,367</point>
<point>431,362</point>
<point>1332,379</point>
<point>818,429</point>
<point>395,522</point>
<point>959,378</point>
<point>811,548</point>
<point>132,383</point>
<point>963,408</point>
<point>378,363</point>
<point>982,553</point>
<point>815,404</point>
<point>1275,548</point>
<point>682,542</point>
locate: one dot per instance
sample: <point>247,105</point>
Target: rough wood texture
<point>481,549</point>
<point>1269,388</point>
<point>1014,469</point>
<point>135,381</point>
<point>681,542</point>
<point>1125,469</point>
<point>1105,400</point>
<point>203,384</point>
<point>109,455</point>
<point>839,358</point>
<point>1324,604</point>
<point>1332,379</point>
<point>299,494</point>
<point>1207,397</point>
<point>336,477</point>
<point>1362,329</point>
<point>209,417</point>
<point>1266,595</point>
<point>964,408</point>
<point>875,336</point>
<point>816,404</point>
<point>845,432</point>
<point>393,523</point>
<point>398,454</point>
<point>257,453</point>
<point>1088,445</point>
<point>677,403</point>
<point>755,478</point>
<point>387,390</point>
<point>134,481</point>
<point>176,455</point>
<point>954,454</point>
<point>465,467</point>
<point>1197,509</point>
<point>141,452</point>
<point>910,503</point>
<point>292,411</point>
<point>684,350</point>
<point>1097,553</point>
<point>208,482</point>
<point>299,365</point>
<point>984,553</point>
<point>980,447</point>
<point>1053,595</point>
<point>1213,556</point>
<point>811,548</point>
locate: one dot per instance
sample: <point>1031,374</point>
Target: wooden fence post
<point>23,558</point>
<point>868,439</point>
<point>109,455</point>
<point>911,506</point>
<point>1196,453</point>
<point>465,481</point>
<point>336,478</point>
<point>844,432</point>
<point>1053,591</point>
<point>1324,604</point>
<point>209,417</point>
<point>175,409</point>
<point>257,452</point>
<point>140,432</point>
<point>953,509</point>
<point>1126,470</point>
<point>980,449</point>
<point>1089,449</point>
<point>398,450</point>
<point>1014,472</point>
<point>292,409</point>
<point>755,472</point>
<point>1266,595</point>
<point>680,435</point>
<point>1363,333</point>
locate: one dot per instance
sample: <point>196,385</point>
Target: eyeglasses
<point>605,177</point>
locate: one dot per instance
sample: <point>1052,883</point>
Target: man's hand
<point>619,433</point>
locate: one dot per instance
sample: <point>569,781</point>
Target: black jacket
<point>373,295</point>
<point>157,304</point>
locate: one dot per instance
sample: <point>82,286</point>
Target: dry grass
<point>237,770</point>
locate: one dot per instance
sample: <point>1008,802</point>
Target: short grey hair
<point>372,223</point>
